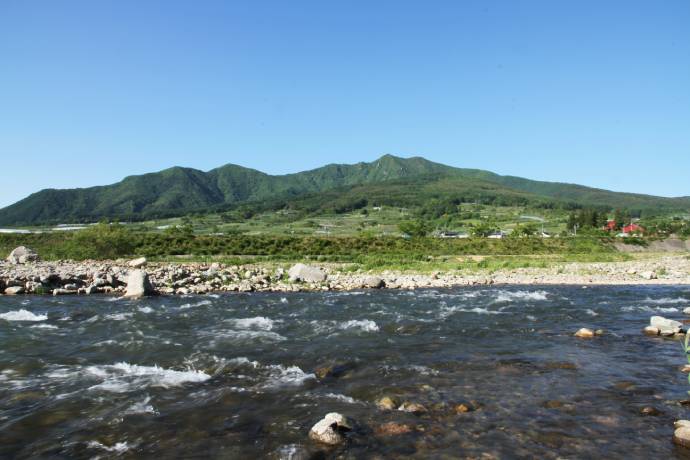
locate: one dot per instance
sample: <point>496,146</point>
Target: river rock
<point>306,273</point>
<point>138,285</point>
<point>14,290</point>
<point>681,435</point>
<point>22,255</point>
<point>386,403</point>
<point>665,326</point>
<point>137,263</point>
<point>651,330</point>
<point>584,333</point>
<point>686,310</point>
<point>331,429</point>
<point>373,282</point>
<point>463,408</point>
<point>392,429</point>
<point>412,407</point>
<point>650,411</point>
<point>648,275</point>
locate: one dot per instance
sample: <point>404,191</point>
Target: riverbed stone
<point>331,429</point>
<point>14,290</point>
<point>393,429</point>
<point>649,275</point>
<point>681,435</point>
<point>665,326</point>
<point>373,282</point>
<point>138,285</point>
<point>413,408</point>
<point>137,263</point>
<point>651,330</point>
<point>307,273</point>
<point>650,411</point>
<point>584,333</point>
<point>22,255</point>
<point>387,403</point>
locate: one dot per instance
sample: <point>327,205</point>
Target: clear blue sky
<point>592,92</point>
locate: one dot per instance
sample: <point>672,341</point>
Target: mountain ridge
<point>178,190</point>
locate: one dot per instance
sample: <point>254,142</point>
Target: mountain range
<point>388,180</point>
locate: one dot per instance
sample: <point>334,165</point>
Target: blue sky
<point>590,92</point>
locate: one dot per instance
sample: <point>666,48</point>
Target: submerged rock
<point>22,255</point>
<point>393,429</point>
<point>138,285</point>
<point>331,429</point>
<point>334,371</point>
<point>386,403</point>
<point>650,410</point>
<point>464,407</point>
<point>306,273</point>
<point>413,408</point>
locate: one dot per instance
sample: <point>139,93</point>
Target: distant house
<point>633,228</point>
<point>496,235</point>
<point>453,235</point>
<point>610,225</point>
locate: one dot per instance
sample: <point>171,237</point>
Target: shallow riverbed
<point>233,376</point>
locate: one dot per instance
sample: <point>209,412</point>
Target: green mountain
<point>388,180</point>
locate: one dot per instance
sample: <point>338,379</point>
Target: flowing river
<point>235,375</point>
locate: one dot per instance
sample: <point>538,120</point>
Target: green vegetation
<point>112,241</point>
<point>429,191</point>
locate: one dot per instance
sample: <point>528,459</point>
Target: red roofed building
<point>632,228</point>
<point>610,225</point>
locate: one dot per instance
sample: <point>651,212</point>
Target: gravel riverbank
<point>112,277</point>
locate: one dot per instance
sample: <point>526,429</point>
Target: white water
<point>258,322</point>
<point>123,377</point>
<point>512,296</point>
<point>22,315</point>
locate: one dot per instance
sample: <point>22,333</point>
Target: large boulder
<point>138,285</point>
<point>331,429</point>
<point>307,273</point>
<point>373,282</point>
<point>22,255</point>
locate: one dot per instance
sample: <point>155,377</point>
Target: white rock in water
<point>14,290</point>
<point>330,429</point>
<point>584,333</point>
<point>681,423</point>
<point>665,326</point>
<point>138,285</point>
<point>681,435</point>
<point>22,255</point>
<point>686,310</point>
<point>301,272</point>
<point>651,330</point>
<point>137,263</point>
